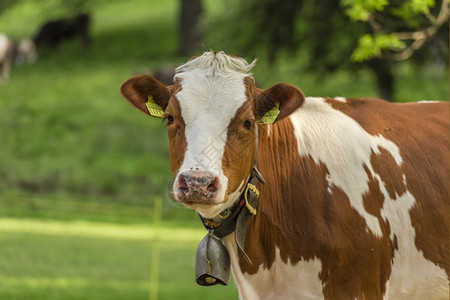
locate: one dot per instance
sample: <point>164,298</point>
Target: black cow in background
<point>54,32</point>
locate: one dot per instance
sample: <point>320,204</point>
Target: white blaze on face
<point>212,90</point>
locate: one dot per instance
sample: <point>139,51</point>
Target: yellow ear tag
<point>271,115</point>
<point>154,109</point>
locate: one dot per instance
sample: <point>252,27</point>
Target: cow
<point>7,50</point>
<point>353,195</point>
<point>26,52</point>
<point>52,33</point>
<point>163,74</point>
<point>12,53</point>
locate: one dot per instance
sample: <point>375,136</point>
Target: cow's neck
<point>269,230</point>
<point>286,175</point>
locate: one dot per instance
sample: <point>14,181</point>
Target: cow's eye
<point>169,119</point>
<point>247,124</point>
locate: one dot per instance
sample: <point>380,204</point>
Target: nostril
<point>213,186</point>
<point>182,185</point>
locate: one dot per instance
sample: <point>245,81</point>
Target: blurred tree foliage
<point>55,8</point>
<point>397,29</point>
<point>333,35</point>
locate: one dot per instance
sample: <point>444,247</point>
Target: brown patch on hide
<point>176,132</point>
<point>390,173</point>
<point>299,215</point>
<point>420,130</point>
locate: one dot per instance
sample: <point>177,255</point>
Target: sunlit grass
<point>101,230</point>
<point>43,259</point>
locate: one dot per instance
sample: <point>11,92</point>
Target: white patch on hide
<point>340,99</point>
<point>345,148</point>
<point>413,276</point>
<point>281,281</point>
<point>379,141</point>
<point>330,137</point>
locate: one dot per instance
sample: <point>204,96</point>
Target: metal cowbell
<point>212,263</point>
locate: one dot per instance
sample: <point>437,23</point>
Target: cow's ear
<point>147,94</point>
<point>277,102</point>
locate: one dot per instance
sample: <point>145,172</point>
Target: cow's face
<point>212,113</point>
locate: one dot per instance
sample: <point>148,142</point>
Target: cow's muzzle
<point>197,187</point>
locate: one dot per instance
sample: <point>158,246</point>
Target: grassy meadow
<point>43,259</point>
<point>80,168</point>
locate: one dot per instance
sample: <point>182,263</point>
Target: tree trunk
<point>382,70</point>
<point>190,33</point>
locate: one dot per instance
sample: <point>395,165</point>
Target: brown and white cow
<point>356,200</point>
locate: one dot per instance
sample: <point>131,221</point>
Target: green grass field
<point>42,259</point>
<point>80,168</point>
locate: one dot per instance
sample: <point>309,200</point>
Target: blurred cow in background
<point>6,56</point>
<point>11,53</point>
<point>54,32</point>
<point>26,52</point>
<point>163,74</point>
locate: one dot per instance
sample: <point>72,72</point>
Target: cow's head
<point>212,113</point>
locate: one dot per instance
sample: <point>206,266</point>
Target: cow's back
<point>421,132</point>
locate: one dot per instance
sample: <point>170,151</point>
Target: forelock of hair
<point>212,63</point>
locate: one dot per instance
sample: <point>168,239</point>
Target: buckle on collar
<point>224,214</point>
<point>252,188</point>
